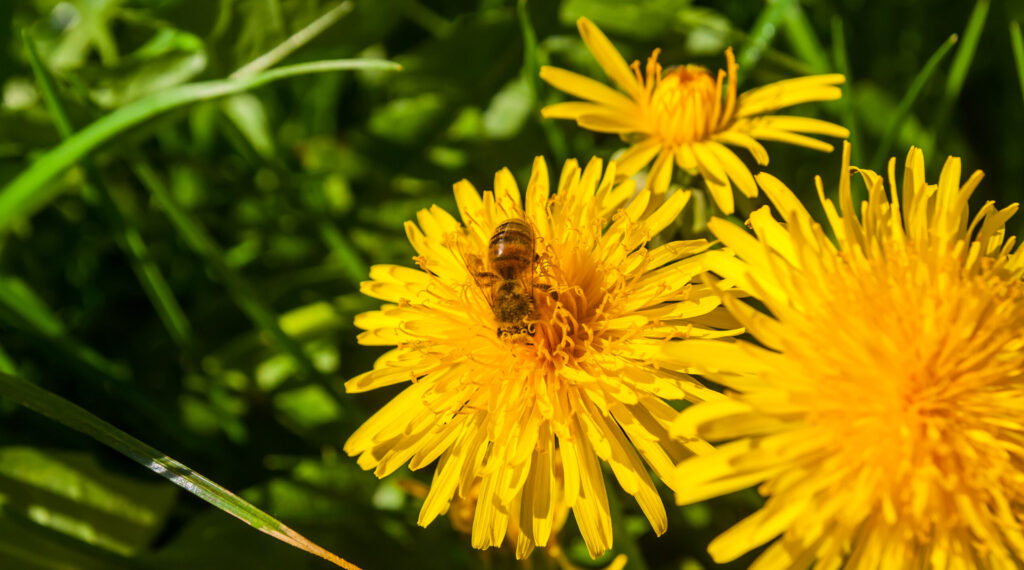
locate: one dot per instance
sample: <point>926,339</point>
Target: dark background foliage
<point>304,184</point>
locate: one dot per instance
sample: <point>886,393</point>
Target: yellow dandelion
<point>582,381</point>
<point>463,509</point>
<point>682,116</point>
<point>884,417</point>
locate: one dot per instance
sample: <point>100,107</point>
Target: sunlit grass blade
<point>960,66</point>
<point>29,191</point>
<point>804,41</point>
<point>847,107</point>
<point>1018,52</point>
<point>533,59</point>
<point>903,109</point>
<point>127,233</point>
<point>762,33</point>
<point>242,293</point>
<point>294,42</point>
<point>64,412</point>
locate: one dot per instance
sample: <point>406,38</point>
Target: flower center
<point>683,104</point>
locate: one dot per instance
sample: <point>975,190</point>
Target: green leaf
<point>71,493</point>
<point>74,417</point>
<point>248,115</point>
<point>762,33</point>
<point>170,58</point>
<point>509,109</point>
<point>29,191</point>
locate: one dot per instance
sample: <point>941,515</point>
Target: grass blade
<point>294,42</point>
<point>762,34</point>
<point>903,109</point>
<point>28,191</point>
<point>803,39</point>
<point>64,412</point>
<point>848,109</point>
<point>532,61</point>
<point>243,294</point>
<point>128,236</point>
<point>960,66</point>
<point>1018,52</point>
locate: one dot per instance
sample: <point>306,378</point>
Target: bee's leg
<point>547,289</point>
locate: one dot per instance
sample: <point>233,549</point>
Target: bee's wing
<point>475,266</point>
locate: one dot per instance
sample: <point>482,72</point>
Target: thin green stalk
<point>959,68</point>
<point>803,39</point>
<point>762,33</point>
<point>532,60</point>
<point>127,233</point>
<point>848,109</point>
<point>244,295</point>
<point>64,412</point>
<point>1018,52</point>
<point>294,42</point>
<point>903,109</point>
<point>29,190</point>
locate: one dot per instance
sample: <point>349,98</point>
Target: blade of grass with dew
<point>761,34</point>
<point>805,42</point>
<point>28,191</point>
<point>64,412</point>
<point>959,67</point>
<point>847,108</point>
<point>1018,52</point>
<point>127,233</point>
<point>241,292</point>
<point>532,61</point>
<point>903,109</point>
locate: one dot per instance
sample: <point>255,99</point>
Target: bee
<point>508,278</point>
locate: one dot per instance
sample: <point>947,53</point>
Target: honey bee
<point>508,278</point>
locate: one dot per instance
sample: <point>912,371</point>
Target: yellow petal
<point>609,58</point>
<point>637,156</point>
<point>586,88</point>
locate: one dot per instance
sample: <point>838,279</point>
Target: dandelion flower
<point>884,416</point>
<point>682,116</point>
<point>585,384</point>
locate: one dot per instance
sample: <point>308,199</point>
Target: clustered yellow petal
<point>508,418</point>
<point>882,414</point>
<point>686,117</point>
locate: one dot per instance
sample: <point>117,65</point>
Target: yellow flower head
<point>581,382</point>
<point>680,116</point>
<point>884,419</point>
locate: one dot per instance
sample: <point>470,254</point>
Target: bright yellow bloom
<point>462,511</point>
<point>679,116</point>
<point>884,420</point>
<point>587,386</point>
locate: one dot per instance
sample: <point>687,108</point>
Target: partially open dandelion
<point>686,116</point>
<point>583,381</point>
<point>884,419</point>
